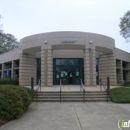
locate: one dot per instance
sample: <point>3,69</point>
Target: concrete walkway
<point>70,116</point>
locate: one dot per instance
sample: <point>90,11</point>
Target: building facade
<point>69,56</point>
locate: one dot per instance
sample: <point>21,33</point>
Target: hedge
<point>14,100</point>
<point>127,84</point>
<point>13,81</point>
<point>120,95</point>
<point>31,92</point>
<point>24,95</point>
<point>10,104</point>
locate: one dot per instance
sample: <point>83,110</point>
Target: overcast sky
<point>26,17</point>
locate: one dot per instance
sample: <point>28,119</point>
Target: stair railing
<point>83,89</point>
<point>60,89</point>
<point>105,88</point>
<point>37,89</point>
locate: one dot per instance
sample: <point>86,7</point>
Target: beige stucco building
<point>69,56</point>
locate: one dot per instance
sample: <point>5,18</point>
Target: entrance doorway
<point>69,70</point>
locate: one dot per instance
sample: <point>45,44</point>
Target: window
<point>57,61</point>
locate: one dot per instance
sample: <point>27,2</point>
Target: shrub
<point>120,95</point>
<point>10,104</point>
<point>31,92</point>
<point>127,84</point>
<point>4,81</point>
<point>26,100</point>
<point>13,81</point>
<point>13,96</point>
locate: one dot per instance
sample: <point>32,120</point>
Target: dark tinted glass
<point>1,67</point>
<point>71,62</point>
<point>97,61</point>
<point>63,61</point>
<point>57,61</point>
<point>76,62</point>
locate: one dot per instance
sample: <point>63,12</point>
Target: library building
<point>69,56</point>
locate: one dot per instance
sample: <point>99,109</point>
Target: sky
<point>27,17</point>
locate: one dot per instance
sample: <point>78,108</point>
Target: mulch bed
<point>2,122</point>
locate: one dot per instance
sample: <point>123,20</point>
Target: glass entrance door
<point>70,74</point>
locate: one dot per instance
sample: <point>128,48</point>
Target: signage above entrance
<point>66,40</point>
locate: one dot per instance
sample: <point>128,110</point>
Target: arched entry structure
<point>68,55</point>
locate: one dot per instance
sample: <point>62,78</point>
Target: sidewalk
<point>70,116</point>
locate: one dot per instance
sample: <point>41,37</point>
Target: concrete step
<point>71,91</point>
<point>75,96</point>
<point>71,100</point>
<point>72,95</point>
<point>65,95</point>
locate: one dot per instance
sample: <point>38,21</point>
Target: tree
<point>7,42</point>
<point>125,26</point>
<point>0,24</point>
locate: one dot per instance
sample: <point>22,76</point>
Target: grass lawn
<point>120,95</point>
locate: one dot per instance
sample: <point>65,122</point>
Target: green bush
<point>10,104</point>
<point>126,84</point>
<point>120,95</point>
<point>26,100</point>
<point>31,92</point>
<point>13,81</point>
<point>13,96</point>
<point>4,81</point>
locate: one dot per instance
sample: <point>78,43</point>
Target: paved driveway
<point>70,116</point>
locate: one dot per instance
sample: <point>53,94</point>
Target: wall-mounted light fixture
<point>90,41</point>
<point>45,42</point>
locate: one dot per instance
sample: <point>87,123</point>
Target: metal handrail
<point>102,85</point>
<point>105,88</point>
<point>60,89</point>
<point>39,86</point>
<point>82,86</point>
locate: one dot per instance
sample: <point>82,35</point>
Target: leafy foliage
<point>10,104</point>
<point>31,92</point>
<point>125,26</point>
<point>7,42</point>
<point>14,100</point>
<point>126,84</point>
<point>13,81</point>
<point>0,24</point>
<point>120,95</point>
<point>26,100</point>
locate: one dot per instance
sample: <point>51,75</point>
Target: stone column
<point>89,67</point>
<point>93,67</point>
<point>12,70</point>
<point>46,68</point>
<point>43,64</point>
<point>50,68</point>
<point>86,67</point>
<point>119,73</point>
<point>27,69</point>
<point>107,68</point>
